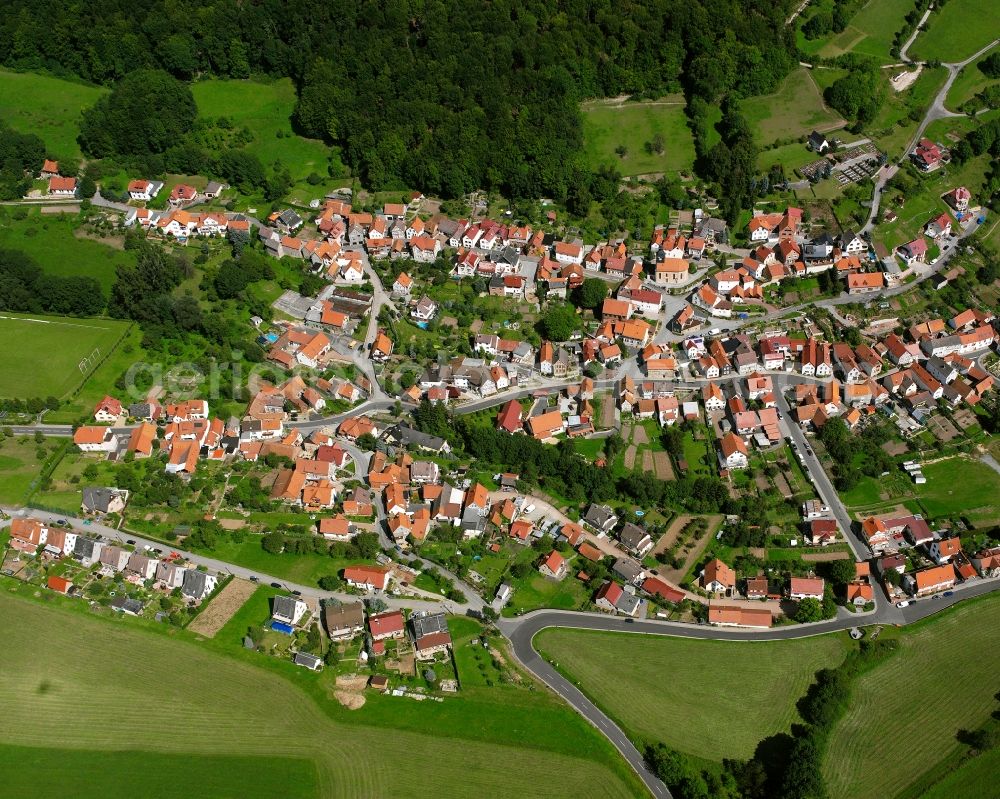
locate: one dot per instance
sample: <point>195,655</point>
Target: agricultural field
<point>607,126</point>
<point>870,32</point>
<point>968,84</point>
<point>176,699</point>
<point>890,736</point>
<point>57,342</point>
<point>796,109</point>
<point>266,109</point>
<point>48,107</point>
<point>956,31</point>
<point>710,699</point>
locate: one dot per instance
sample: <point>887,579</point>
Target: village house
<point>554,566</point>
<point>718,578</point>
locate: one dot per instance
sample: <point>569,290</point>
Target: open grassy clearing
<point>50,240</point>
<point>870,32</point>
<point>901,720</point>
<point>19,466</point>
<point>174,698</point>
<point>956,31</point>
<point>958,486</point>
<point>266,109</point>
<point>710,699</point>
<point>57,342</point>
<point>48,107</point>
<point>795,109</point>
<point>633,125</point>
<point>968,84</point>
<point>893,129</point>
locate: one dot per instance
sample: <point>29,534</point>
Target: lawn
<point>48,107</point>
<point>50,240</point>
<point>959,29</point>
<point>59,343</point>
<point>900,721</point>
<point>710,699</point>
<point>266,109</point>
<point>126,688</point>
<point>968,84</point>
<point>796,109</point>
<point>960,486</point>
<point>633,125</point>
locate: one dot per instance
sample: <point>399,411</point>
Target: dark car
<point>158,551</point>
<point>130,541</point>
<point>253,578</point>
<point>62,522</point>
<point>275,585</point>
<point>949,593</point>
<point>296,593</point>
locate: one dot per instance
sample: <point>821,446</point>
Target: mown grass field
<point>266,109</point>
<point>83,773</point>
<point>870,32</point>
<point>29,343</point>
<point>96,686</point>
<point>795,109</point>
<point>959,29</point>
<point>710,699</point>
<point>974,779</point>
<point>51,241</point>
<point>904,713</point>
<point>48,107</point>
<point>632,125</point>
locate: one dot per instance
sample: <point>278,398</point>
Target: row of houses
<point>30,536</point>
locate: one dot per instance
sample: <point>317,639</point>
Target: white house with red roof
<point>938,227</point>
<point>108,410</point>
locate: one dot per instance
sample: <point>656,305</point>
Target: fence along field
<point>100,686</point>
<point>43,356</point>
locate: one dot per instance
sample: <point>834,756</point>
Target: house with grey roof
<point>636,539</point>
<point>288,609</point>
<point>308,661</point>
<point>600,518</point>
<point>198,584</point>
<point>87,550</point>
<point>104,500</point>
<point>132,607</point>
<point>630,571</point>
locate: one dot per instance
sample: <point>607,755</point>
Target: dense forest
<point>445,95</point>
